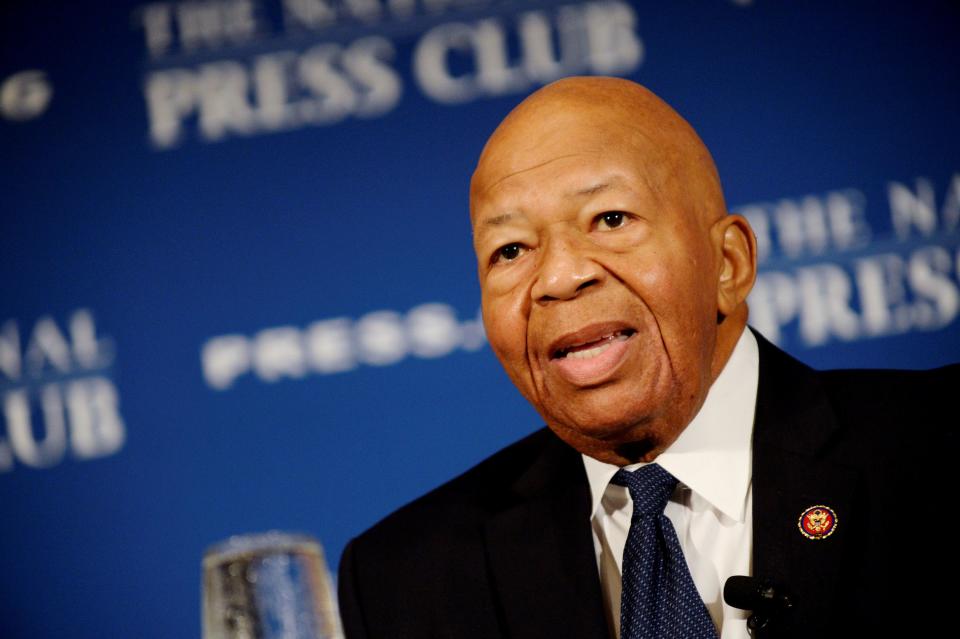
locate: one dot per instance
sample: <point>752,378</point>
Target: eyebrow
<point>593,190</point>
<point>499,220</point>
<point>600,187</point>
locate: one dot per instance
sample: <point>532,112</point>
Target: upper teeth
<point>603,344</point>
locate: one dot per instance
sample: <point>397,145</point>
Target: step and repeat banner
<point>238,290</point>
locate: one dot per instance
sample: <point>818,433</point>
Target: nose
<point>564,271</point>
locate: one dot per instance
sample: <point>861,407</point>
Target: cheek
<point>681,296</point>
<point>506,328</point>
<point>674,284</point>
<point>654,280</point>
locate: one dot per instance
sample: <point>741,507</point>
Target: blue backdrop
<point>238,290</point>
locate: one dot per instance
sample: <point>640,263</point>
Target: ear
<point>738,265</point>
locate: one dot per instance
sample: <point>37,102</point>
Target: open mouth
<point>593,348</point>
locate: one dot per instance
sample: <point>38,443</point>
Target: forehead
<point>564,177</point>
<point>557,177</point>
<point>551,140</point>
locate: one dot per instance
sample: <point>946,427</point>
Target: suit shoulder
<point>894,418</point>
<point>862,417</point>
<point>887,394</point>
<point>461,503</point>
<point>423,571</point>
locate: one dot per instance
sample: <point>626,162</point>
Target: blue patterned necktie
<point>659,599</point>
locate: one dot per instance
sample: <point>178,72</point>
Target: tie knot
<point>650,488</point>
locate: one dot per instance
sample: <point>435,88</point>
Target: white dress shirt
<point>711,509</point>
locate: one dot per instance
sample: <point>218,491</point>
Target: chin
<point>608,426</point>
<point>614,409</point>
<point>612,421</point>
<point>618,445</point>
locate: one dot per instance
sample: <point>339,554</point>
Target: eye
<point>610,220</point>
<point>507,253</point>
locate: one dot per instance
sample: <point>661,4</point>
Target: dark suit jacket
<point>506,549</point>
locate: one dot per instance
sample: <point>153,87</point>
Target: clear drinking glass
<point>270,585</point>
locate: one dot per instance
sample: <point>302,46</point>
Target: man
<point>614,289</point>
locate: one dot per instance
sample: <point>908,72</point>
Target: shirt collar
<point>712,455</point>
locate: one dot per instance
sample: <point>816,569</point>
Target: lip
<point>600,364</point>
<point>586,334</point>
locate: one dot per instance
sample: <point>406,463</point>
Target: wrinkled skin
<point>599,223</point>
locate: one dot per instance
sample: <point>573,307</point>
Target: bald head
<point>613,280</point>
<point>603,115</point>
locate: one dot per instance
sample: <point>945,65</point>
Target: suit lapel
<point>541,555</point>
<point>793,427</point>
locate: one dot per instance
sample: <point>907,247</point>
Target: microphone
<point>765,599</point>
